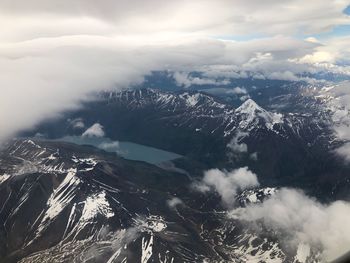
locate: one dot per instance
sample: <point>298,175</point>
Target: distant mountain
<point>290,144</point>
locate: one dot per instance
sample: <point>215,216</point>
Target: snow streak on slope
<point>59,199</point>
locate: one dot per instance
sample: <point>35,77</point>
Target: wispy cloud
<point>96,130</point>
<point>227,184</point>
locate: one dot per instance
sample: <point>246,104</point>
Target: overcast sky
<point>53,53</point>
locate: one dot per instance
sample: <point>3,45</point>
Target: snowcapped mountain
<point>92,206</point>
<point>188,107</point>
<point>204,113</point>
<point>86,201</point>
<point>250,115</point>
<point>282,136</point>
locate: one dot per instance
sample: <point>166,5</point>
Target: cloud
<point>48,75</point>
<point>227,184</point>
<point>77,123</point>
<point>200,16</point>
<point>331,50</point>
<point>295,218</point>
<point>236,145</point>
<point>174,202</point>
<point>239,91</point>
<point>110,146</point>
<point>303,220</point>
<point>185,80</point>
<point>96,130</point>
<point>254,156</point>
<point>55,54</point>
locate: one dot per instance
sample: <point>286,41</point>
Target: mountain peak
<point>250,113</point>
<point>250,107</point>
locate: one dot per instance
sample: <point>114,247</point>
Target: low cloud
<point>227,184</point>
<point>110,146</point>
<point>303,220</point>
<point>96,130</point>
<point>186,80</point>
<point>236,145</point>
<point>49,75</point>
<point>296,218</point>
<point>239,91</point>
<point>77,123</point>
<point>174,202</point>
<point>254,156</point>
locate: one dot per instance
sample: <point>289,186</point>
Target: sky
<point>53,54</point>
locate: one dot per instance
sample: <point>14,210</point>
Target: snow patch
<point>302,253</point>
<point>150,224</point>
<point>94,205</point>
<point>4,178</point>
<point>147,246</point>
<point>59,199</point>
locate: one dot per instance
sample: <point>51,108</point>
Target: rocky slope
<point>66,203</point>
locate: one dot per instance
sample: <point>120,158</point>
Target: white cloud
<point>96,130</point>
<point>295,218</point>
<point>318,57</point>
<point>110,146</point>
<point>303,220</point>
<point>46,76</point>
<point>53,54</point>
<point>185,80</point>
<point>239,91</point>
<point>201,16</point>
<point>227,184</point>
<point>174,202</point>
<point>77,123</point>
<point>236,145</point>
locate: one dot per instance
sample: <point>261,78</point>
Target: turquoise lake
<point>128,150</point>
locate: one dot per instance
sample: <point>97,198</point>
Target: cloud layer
<point>53,54</point>
<point>207,17</point>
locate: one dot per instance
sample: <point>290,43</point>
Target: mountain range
<point>92,205</point>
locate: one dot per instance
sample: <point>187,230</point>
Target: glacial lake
<point>127,150</point>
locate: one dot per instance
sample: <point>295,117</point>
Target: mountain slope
<point>285,146</point>
<point>91,206</point>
